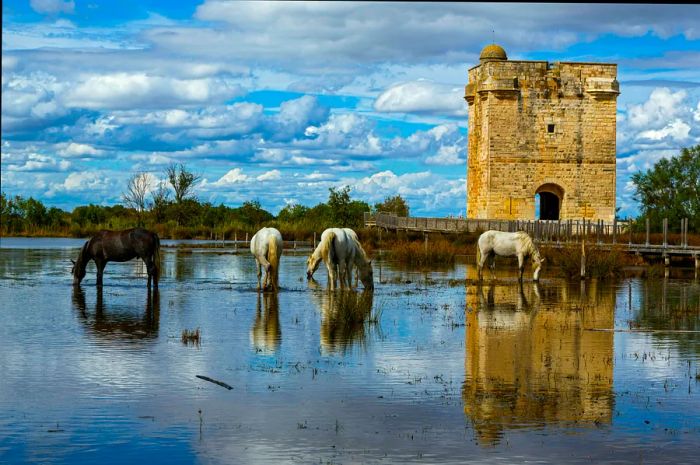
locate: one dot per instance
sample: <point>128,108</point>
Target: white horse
<point>266,247</point>
<point>506,244</point>
<point>340,249</point>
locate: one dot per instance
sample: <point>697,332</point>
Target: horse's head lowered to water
<point>79,266</point>
<point>312,264</point>
<point>537,261</point>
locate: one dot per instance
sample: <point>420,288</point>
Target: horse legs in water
<point>152,271</point>
<point>333,276</point>
<point>100,270</point>
<point>492,265</point>
<point>480,266</point>
<point>521,266</point>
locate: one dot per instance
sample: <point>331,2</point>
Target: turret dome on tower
<point>493,52</point>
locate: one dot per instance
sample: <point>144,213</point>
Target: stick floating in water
<point>220,383</point>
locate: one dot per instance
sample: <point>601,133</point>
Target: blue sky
<point>279,101</point>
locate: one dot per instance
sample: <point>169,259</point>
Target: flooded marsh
<point>427,368</point>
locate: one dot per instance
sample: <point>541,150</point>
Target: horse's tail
<point>156,255</point>
<point>273,257</point>
<point>332,253</point>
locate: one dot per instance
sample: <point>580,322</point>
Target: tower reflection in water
<point>266,333</point>
<point>530,361</point>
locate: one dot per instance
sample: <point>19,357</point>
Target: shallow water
<point>423,370</point>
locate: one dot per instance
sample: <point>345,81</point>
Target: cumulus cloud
<point>422,97</point>
<point>234,176</point>
<point>77,150</point>
<point>52,6</point>
<point>662,106</point>
<point>272,175</point>
<point>676,130</point>
<point>140,90</point>
<point>424,190</point>
<point>296,115</point>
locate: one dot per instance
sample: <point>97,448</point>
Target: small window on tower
<point>550,128</point>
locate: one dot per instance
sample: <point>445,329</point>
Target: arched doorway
<point>548,200</point>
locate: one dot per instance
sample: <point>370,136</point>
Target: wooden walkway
<point>554,233</point>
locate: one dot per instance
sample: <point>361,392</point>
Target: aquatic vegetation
<point>434,251</point>
<point>190,336</point>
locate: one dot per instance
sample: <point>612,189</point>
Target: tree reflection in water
<point>530,362</point>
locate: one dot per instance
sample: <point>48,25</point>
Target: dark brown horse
<point>119,246</point>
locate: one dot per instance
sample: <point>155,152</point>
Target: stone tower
<point>539,128</point>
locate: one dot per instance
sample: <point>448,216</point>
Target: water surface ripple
<point>425,369</point>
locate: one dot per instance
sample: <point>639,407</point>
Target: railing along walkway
<point>556,233</point>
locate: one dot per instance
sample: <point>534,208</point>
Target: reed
<point>190,336</point>
<point>600,263</point>
<point>437,251</point>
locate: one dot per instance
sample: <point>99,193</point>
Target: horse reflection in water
<point>345,317</point>
<point>266,334</point>
<point>530,362</point>
<point>119,323</point>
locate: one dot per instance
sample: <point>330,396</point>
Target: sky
<point>277,102</point>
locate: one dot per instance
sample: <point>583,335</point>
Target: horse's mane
<point>530,244</point>
<point>358,247</point>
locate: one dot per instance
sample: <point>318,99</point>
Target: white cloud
<point>676,130</point>
<point>73,149</point>
<point>447,155</point>
<point>272,175</point>
<point>232,177</point>
<point>140,90</point>
<point>52,6</point>
<point>98,184</point>
<point>38,162</point>
<point>662,106</point>
<point>424,190</point>
<point>422,96</point>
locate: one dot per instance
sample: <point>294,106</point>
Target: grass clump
<point>417,253</point>
<point>600,263</point>
<point>190,336</point>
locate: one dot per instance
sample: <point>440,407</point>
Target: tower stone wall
<point>541,128</point>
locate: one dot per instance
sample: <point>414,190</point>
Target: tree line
<point>670,189</point>
<point>171,208</point>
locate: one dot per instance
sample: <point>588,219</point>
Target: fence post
<point>629,225</point>
<point>665,232</point>
<point>647,243</point>
<point>615,230</point>
<point>583,259</point>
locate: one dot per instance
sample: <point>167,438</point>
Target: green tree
<point>182,181</point>
<point>395,204</point>
<point>339,203</point>
<point>293,213</point>
<point>671,189</point>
